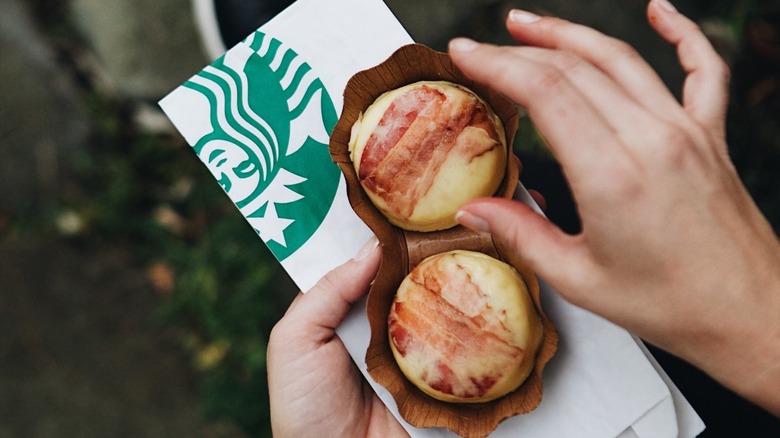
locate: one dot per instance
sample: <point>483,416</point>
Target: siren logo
<point>272,118</point>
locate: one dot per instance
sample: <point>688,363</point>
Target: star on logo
<point>271,227</point>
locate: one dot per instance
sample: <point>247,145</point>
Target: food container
<point>402,250</point>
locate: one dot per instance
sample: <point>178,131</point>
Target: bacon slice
<point>413,138</point>
<point>446,324</point>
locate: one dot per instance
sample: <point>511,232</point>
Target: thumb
<point>554,255</point>
<point>314,316</point>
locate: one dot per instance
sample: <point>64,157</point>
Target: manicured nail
<point>523,17</point>
<point>463,45</point>
<point>472,221</point>
<point>666,5</point>
<point>367,248</point>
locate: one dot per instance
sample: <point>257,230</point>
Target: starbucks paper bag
<point>260,118</point>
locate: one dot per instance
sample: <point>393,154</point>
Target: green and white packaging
<point>260,118</point>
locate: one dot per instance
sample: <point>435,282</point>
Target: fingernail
<point>463,45</point>
<point>666,5</point>
<point>523,17</point>
<point>472,221</point>
<point>367,248</point>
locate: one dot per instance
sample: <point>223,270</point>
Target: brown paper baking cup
<point>402,250</point>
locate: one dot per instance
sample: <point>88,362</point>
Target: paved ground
<point>81,353</point>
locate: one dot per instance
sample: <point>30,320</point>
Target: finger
<point>615,58</point>
<point>539,199</point>
<point>705,93</point>
<point>560,112</point>
<point>320,310</point>
<point>556,256</point>
<point>621,111</point>
<point>535,195</point>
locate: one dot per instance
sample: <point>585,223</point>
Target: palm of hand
<point>324,391</point>
<point>315,388</point>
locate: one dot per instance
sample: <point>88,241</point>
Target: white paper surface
<point>601,383</point>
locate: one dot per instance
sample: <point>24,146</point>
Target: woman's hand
<point>315,388</point>
<point>672,246</point>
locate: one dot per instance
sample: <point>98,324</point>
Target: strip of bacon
<point>414,137</point>
<point>428,326</point>
<point>393,125</point>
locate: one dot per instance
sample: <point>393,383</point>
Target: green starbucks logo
<point>272,118</point>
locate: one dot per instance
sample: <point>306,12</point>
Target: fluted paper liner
<point>402,250</point>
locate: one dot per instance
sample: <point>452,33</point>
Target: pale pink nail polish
<point>472,221</point>
<point>367,248</point>
<point>523,17</point>
<point>666,5</point>
<point>463,45</point>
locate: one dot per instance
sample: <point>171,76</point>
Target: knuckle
<point>330,281</point>
<point>504,65</point>
<point>548,80</point>
<point>618,180</point>
<point>621,182</point>
<point>676,149</point>
<point>692,29</point>
<point>721,69</point>
<point>672,137</point>
<point>568,61</point>
<point>620,51</point>
<point>515,237</point>
<point>670,141</point>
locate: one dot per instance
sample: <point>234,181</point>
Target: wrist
<point>761,382</point>
<point>745,356</point>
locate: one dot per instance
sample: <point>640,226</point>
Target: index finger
<point>559,110</point>
<point>617,59</point>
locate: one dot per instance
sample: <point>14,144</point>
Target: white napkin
<point>601,383</point>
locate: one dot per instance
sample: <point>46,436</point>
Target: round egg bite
<point>463,328</point>
<point>423,150</point>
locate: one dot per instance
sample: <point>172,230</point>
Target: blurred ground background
<point>134,299</point>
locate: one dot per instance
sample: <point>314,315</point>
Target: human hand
<point>672,247</point>
<point>315,389</point>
